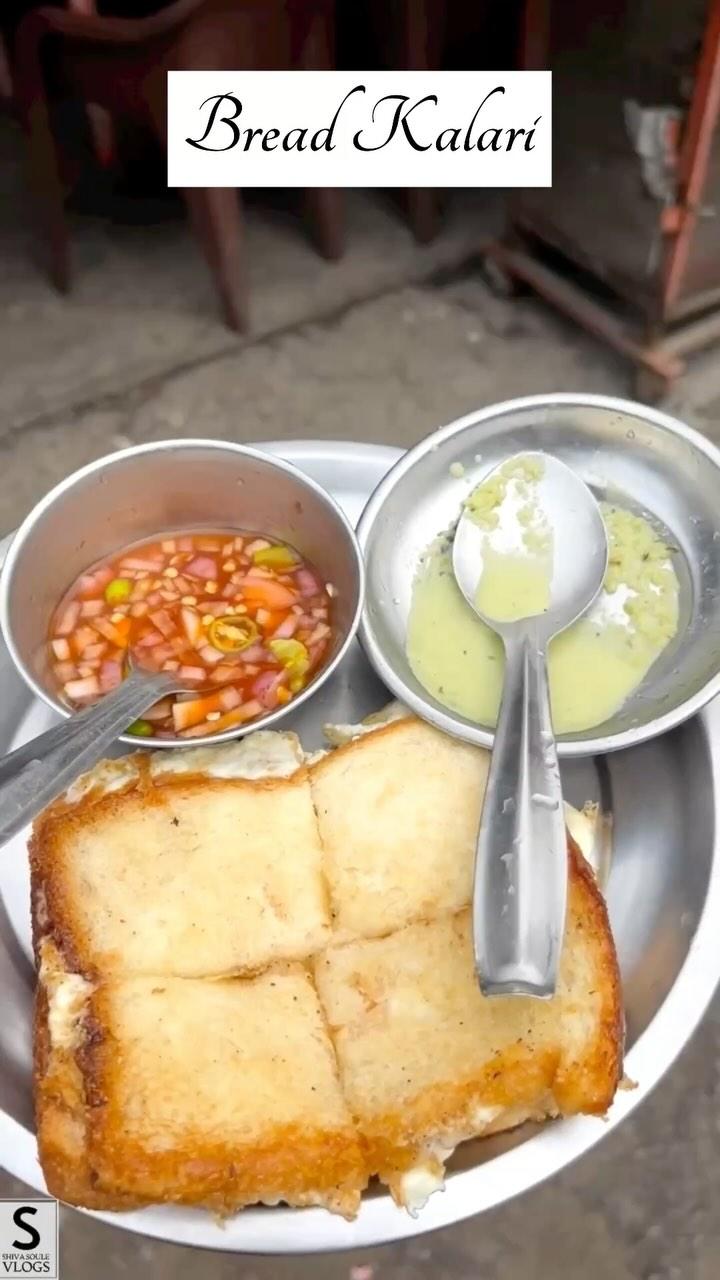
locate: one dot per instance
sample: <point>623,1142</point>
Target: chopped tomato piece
<point>248,711</point>
<point>268,594</point>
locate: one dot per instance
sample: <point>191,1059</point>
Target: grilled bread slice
<point>426,1061</point>
<point>398,810</point>
<point>195,864</point>
<point>220,1094</point>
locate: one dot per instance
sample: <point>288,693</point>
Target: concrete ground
<point>384,346</point>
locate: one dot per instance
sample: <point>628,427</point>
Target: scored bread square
<point>187,875</point>
<point>398,811</point>
<point>219,1094</point>
<point>426,1061</point>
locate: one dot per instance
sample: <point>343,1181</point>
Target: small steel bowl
<point>171,486</point>
<point>627,453</point>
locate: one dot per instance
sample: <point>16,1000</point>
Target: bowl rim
<point>446,720</point>
<point>178,445</point>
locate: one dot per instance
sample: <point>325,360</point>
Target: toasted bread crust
<point>61,1122</point>
<point>590,1086</point>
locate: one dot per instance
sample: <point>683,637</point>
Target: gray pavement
<point>383,346</point>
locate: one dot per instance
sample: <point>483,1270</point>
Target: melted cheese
<point>417,1185</point>
<point>105,777</point>
<point>340,734</point>
<point>67,995</point>
<point>264,754</point>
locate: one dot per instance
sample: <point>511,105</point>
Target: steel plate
<point>664,901</point>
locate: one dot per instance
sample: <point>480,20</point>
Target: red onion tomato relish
<point>243,619</point>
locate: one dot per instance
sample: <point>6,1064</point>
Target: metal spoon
<point>41,770</point>
<point>520,889</point>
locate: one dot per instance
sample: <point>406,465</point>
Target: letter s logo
<point>24,1226</point>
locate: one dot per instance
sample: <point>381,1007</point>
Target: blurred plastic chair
<point>121,64</point>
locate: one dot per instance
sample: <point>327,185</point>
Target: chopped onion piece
<point>265,687</point>
<point>68,618</point>
<point>148,640</point>
<point>229,698</point>
<point>110,676</point>
<point>192,626</point>
<point>287,629</point>
<point>321,632</point>
<point>79,690</point>
<point>160,711</point>
<point>308,584</point>
<point>92,608</point>
<point>160,653</point>
<point>225,674</point>
<point>210,655</point>
<point>65,671</point>
<point>202,567</point>
<point>94,651</point>
<point>164,623</point>
<point>136,562</point>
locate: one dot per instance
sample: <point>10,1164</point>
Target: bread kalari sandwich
<point>256,981</point>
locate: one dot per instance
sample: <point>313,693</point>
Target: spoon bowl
<point>520,883</point>
<point>579,548</point>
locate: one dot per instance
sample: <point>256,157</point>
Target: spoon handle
<point>520,891</point>
<point>41,770</point>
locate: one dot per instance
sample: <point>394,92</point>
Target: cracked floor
<point>383,346</point>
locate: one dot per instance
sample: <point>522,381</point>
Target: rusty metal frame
<point>658,354</point>
<point>702,121</point>
<point>521,264</point>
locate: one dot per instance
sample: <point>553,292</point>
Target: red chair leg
<point>46,164</point>
<point>215,214</point>
<point>423,211</point>
<point>325,210</point>
<point>422,35</point>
